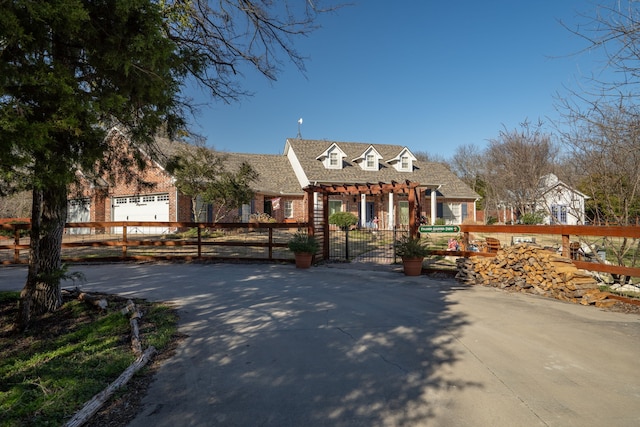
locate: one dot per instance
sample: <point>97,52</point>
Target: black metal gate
<point>364,245</point>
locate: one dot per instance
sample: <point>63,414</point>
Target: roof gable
<point>403,161</point>
<point>332,157</point>
<point>551,182</point>
<point>428,174</point>
<point>369,159</point>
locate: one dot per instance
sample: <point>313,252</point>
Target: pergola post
<point>310,212</point>
<point>413,230</point>
<point>409,188</point>
<point>325,226</point>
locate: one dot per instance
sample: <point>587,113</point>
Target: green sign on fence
<point>439,229</point>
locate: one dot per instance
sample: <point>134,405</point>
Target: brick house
<point>279,189</point>
<point>329,162</point>
<point>151,196</point>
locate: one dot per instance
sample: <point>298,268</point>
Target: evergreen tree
<point>72,69</point>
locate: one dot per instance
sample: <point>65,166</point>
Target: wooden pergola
<point>326,190</point>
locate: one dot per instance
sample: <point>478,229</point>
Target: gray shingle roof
<point>276,175</point>
<point>426,173</point>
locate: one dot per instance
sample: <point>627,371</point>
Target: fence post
<point>199,241</point>
<point>124,240</point>
<point>270,240</point>
<point>16,242</point>
<point>346,243</point>
<point>565,246</point>
<point>395,239</point>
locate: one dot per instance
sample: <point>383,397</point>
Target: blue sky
<point>429,75</point>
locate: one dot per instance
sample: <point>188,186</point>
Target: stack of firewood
<point>530,268</point>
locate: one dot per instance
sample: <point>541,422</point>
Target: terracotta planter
<point>412,266</point>
<point>303,259</point>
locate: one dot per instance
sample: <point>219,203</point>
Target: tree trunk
<point>27,293</point>
<point>41,292</point>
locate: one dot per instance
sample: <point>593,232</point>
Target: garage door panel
<point>141,208</point>
<point>79,210</point>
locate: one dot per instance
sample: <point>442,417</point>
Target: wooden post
<point>270,241</point>
<point>465,240</point>
<point>16,242</point>
<point>565,246</point>
<point>413,230</point>
<point>310,212</point>
<point>325,226</point>
<point>124,240</point>
<point>199,240</point>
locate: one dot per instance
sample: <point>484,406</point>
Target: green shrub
<point>411,247</point>
<point>532,218</point>
<point>303,243</point>
<point>343,219</point>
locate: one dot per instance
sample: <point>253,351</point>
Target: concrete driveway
<point>270,345</point>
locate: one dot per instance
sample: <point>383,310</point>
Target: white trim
<point>362,159</point>
<point>396,162</point>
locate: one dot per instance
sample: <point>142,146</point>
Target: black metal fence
<point>364,245</point>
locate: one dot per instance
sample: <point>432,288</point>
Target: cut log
<point>98,302</point>
<point>93,405</point>
<point>529,268</point>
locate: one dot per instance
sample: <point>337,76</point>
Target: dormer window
<point>403,162</point>
<point>369,160</point>
<point>332,157</point>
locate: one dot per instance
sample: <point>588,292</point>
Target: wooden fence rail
<point>96,235</point>
<point>97,238</point>
<point>567,233</point>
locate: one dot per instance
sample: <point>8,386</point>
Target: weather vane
<point>299,124</point>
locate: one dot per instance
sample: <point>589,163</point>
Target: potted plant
<point>304,247</point>
<point>412,250</point>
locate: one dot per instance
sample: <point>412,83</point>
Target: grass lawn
<point>48,372</point>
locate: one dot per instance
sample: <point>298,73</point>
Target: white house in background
<point>562,204</point>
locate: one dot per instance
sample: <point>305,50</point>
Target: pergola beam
<point>362,188</point>
<point>408,187</point>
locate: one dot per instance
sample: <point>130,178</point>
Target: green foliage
<point>303,243</point>
<point>9,296</point>
<point>53,371</point>
<point>72,70</point>
<point>22,232</point>
<point>532,218</point>
<point>411,247</point>
<point>202,174</point>
<point>440,221</point>
<point>343,219</point>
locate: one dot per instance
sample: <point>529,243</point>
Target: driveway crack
<point>346,333</point>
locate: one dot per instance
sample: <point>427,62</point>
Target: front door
<point>370,210</point>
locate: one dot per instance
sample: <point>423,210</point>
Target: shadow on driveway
<point>274,345</point>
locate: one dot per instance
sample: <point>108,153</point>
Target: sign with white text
<point>439,229</point>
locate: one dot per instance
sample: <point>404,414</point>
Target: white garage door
<point>153,207</point>
<point>78,210</point>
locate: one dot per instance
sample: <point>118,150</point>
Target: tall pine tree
<point>71,69</point>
